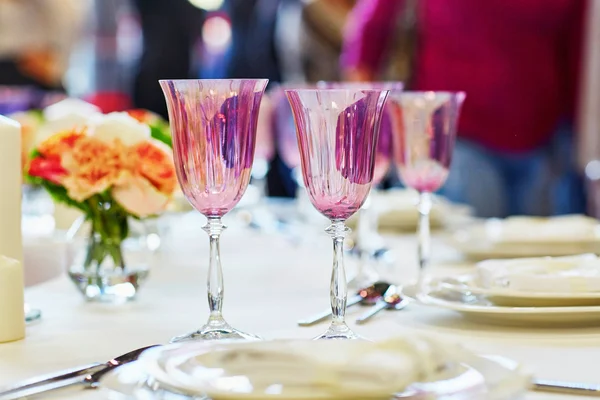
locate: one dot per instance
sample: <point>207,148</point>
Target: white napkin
<point>572,274</point>
<point>568,228</point>
<point>344,368</point>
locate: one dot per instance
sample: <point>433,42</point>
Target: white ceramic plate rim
<point>493,309</point>
<point>471,234</point>
<point>129,380</point>
<point>151,359</point>
<point>508,293</point>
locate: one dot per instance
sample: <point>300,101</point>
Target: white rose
<point>69,107</point>
<point>119,125</point>
<point>65,123</point>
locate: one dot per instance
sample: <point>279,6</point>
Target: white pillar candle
<point>10,189</point>
<point>12,315</point>
<point>12,318</point>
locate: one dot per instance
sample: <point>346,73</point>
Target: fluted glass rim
<point>233,80</point>
<point>352,85</point>
<point>334,91</point>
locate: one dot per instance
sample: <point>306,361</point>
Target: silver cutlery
<point>574,388</point>
<point>367,295</point>
<point>87,376</point>
<point>391,300</point>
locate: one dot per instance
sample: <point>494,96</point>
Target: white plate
<point>475,378</point>
<point>475,244</point>
<point>479,309</point>
<point>467,283</point>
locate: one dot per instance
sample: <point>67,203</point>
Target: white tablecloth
<point>270,283</point>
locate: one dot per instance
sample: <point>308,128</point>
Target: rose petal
<point>48,168</point>
<point>140,198</point>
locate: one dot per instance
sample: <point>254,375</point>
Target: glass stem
<point>339,286</point>
<point>424,236</point>
<point>214,227</point>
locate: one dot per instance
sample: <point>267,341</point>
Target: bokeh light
<point>208,5</point>
<point>216,33</point>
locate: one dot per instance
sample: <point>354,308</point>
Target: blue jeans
<point>540,182</point>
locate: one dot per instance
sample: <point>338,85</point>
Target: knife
<point>87,375</point>
<point>574,388</point>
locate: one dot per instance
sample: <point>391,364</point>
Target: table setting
<point>124,318</point>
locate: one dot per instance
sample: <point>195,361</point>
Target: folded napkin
<point>340,368</point>
<point>572,274</point>
<point>398,210</point>
<point>568,228</point>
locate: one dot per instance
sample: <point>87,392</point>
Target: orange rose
<point>142,115</point>
<point>57,145</point>
<point>153,161</point>
<point>150,181</point>
<point>93,166</point>
<point>48,165</point>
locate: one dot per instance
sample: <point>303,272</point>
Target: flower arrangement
<point>111,168</point>
<point>159,128</point>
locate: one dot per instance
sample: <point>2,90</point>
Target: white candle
<point>12,315</point>
<point>10,189</point>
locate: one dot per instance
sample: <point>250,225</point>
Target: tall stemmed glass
<point>368,240</point>
<point>423,149</point>
<point>213,123</point>
<point>337,132</point>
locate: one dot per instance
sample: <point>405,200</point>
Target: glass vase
<point>106,263</point>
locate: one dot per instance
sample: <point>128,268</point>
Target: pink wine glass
<point>368,240</point>
<point>213,123</point>
<point>337,133</point>
<point>423,146</point>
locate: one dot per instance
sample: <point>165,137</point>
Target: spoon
<point>391,300</point>
<point>367,295</point>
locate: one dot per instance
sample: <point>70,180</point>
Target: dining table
<point>272,279</point>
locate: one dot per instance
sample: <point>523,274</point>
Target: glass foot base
<point>212,331</point>
<point>339,332</point>
<point>116,287</point>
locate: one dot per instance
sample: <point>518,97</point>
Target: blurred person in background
<point>517,60</point>
<point>310,37</point>
<point>589,116</point>
<point>170,30</point>
<point>36,40</point>
<point>252,53</point>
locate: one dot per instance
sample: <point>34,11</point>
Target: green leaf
<point>161,135</point>
<point>34,154</point>
<point>37,114</point>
